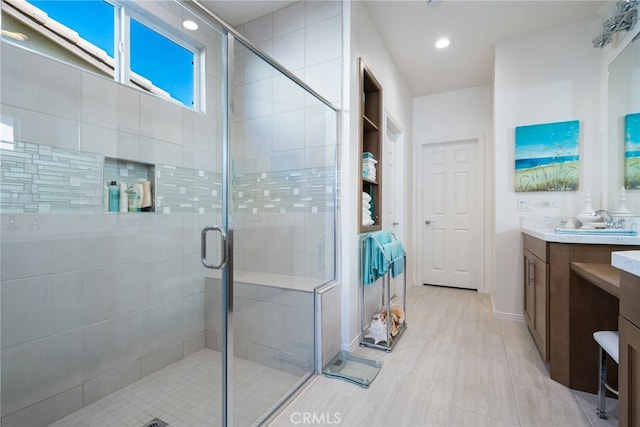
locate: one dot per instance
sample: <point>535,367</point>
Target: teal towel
<point>395,253</point>
<point>374,264</point>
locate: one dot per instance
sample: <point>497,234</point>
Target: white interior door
<point>394,189</point>
<point>451,243</point>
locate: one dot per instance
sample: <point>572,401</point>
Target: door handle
<point>223,247</point>
<point>396,223</point>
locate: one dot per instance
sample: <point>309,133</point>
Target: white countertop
<point>548,235</point>
<point>628,261</point>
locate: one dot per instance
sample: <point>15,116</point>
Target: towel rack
<point>386,295</point>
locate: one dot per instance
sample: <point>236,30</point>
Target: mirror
<point>624,99</point>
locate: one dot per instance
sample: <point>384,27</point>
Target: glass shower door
<point>282,212</point>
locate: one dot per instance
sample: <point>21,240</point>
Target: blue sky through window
<point>92,19</point>
<point>168,65</point>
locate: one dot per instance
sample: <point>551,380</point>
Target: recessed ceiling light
<point>442,43</point>
<point>190,25</point>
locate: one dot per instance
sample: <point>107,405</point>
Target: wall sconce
<point>624,21</point>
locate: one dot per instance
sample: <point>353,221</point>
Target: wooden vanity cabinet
<point>629,368</point>
<point>536,292</point>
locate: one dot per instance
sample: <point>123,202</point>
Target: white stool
<point>608,342</point>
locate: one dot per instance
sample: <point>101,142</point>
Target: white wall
<point>546,77</point>
<point>453,116</point>
<point>365,42</point>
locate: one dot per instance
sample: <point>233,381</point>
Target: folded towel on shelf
<point>366,206</point>
<point>366,221</point>
<point>367,155</point>
<point>366,197</point>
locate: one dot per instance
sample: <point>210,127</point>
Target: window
<point>93,20</point>
<point>86,33</point>
<point>167,64</point>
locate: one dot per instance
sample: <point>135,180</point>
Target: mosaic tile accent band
<point>42,179</point>
<point>39,178</point>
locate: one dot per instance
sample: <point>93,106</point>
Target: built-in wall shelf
<point>369,147</point>
<point>131,173</point>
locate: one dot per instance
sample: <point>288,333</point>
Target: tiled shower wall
<point>93,301</point>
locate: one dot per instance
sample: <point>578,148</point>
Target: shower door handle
<point>223,247</point>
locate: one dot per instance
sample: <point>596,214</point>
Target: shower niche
<point>139,180</point>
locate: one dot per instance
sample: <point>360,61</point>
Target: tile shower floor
<point>186,393</point>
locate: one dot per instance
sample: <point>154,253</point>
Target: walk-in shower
<point>110,318</point>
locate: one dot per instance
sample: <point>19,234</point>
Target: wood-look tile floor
<point>455,365</point>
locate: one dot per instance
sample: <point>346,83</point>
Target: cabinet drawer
<point>536,246</point>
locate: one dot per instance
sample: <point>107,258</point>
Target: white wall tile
<point>160,120</point>
<point>323,41</point>
<point>110,250</point>
<point>25,259</point>
<point>99,101</point>
<point>111,344</point>
<point>26,83</point>
<point>259,29</point>
<point>38,128</point>
<point>97,139</point>
<point>258,99</point>
<point>39,369</point>
<point>103,385</point>
<point>153,325</point>
<point>287,160</point>
<point>287,95</point>
<point>263,355</point>
<point>173,312</point>
<point>258,136</point>
<point>193,312</point>
<point>128,110</point>
<point>40,306</point>
<point>111,291</point>
<point>325,79</point>
<point>47,411</point>
<point>194,343</point>
<point>319,10</point>
<point>299,336</point>
<point>288,49</point>
<point>320,127</point>
<point>264,324</point>
<point>288,130</point>
<point>161,358</point>
<point>288,19</point>
<point>127,146</point>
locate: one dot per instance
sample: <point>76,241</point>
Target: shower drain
<point>156,422</point>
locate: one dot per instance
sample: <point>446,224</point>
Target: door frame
<point>390,124</point>
<point>485,202</point>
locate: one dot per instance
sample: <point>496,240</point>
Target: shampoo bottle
<point>124,206</point>
<point>114,197</point>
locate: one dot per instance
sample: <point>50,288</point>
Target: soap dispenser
<point>586,215</point>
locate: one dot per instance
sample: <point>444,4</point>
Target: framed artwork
<point>632,151</point>
<point>547,157</point>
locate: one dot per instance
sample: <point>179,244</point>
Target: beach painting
<point>632,151</point>
<point>547,157</point>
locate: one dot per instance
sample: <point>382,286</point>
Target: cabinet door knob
<point>427,222</point>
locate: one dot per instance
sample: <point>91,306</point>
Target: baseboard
<point>508,316</point>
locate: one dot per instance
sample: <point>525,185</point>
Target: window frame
<point>152,22</point>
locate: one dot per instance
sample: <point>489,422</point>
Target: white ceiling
<point>411,27</point>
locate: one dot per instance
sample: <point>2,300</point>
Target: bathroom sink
<point>597,231</point>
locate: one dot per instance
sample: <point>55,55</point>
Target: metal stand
<point>386,300</point>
